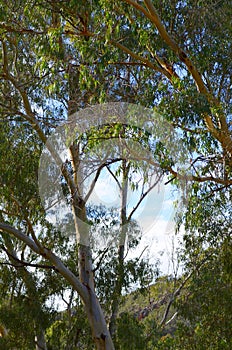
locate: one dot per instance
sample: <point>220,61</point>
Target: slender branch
<point>193,131</point>
<point>174,46</point>
<point>124,63</point>
<point>30,117</point>
<point>172,318</point>
<point>199,178</point>
<point>173,296</point>
<point>104,164</point>
<point>178,290</point>
<point>101,258</point>
<point>145,248</point>
<point>166,66</point>
<point>222,133</point>
<point>114,177</point>
<point>22,262</point>
<point>186,177</point>
<point>21,236</point>
<point>30,226</point>
<point>8,212</point>
<point>143,196</point>
<point>213,191</point>
<point>140,8</point>
<point>94,181</point>
<point>10,29</point>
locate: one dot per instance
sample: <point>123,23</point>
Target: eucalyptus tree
<point>17,53</point>
<point>59,56</point>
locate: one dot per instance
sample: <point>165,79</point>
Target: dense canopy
<point>58,58</point>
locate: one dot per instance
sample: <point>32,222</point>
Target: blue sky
<point>155,216</point>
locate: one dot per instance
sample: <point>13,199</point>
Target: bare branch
<point>101,258</point>
<point>143,196</point>
<point>186,177</point>
<point>104,164</point>
<point>178,290</point>
<point>115,178</point>
<point>145,248</point>
<point>172,318</point>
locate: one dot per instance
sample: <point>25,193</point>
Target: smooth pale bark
<point>84,286</point>
<point>100,333</point>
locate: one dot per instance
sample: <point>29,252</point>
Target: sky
<point>155,216</point>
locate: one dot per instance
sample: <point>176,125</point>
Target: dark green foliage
<point>130,333</point>
<point>69,331</point>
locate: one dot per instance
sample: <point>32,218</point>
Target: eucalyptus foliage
<point>57,57</point>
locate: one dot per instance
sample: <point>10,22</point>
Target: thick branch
<point>186,177</point>
<point>174,46</point>
<point>142,59</point>
<point>46,253</point>
<point>30,117</point>
<point>222,135</point>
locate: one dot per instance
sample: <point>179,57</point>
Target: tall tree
<point>59,56</point>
